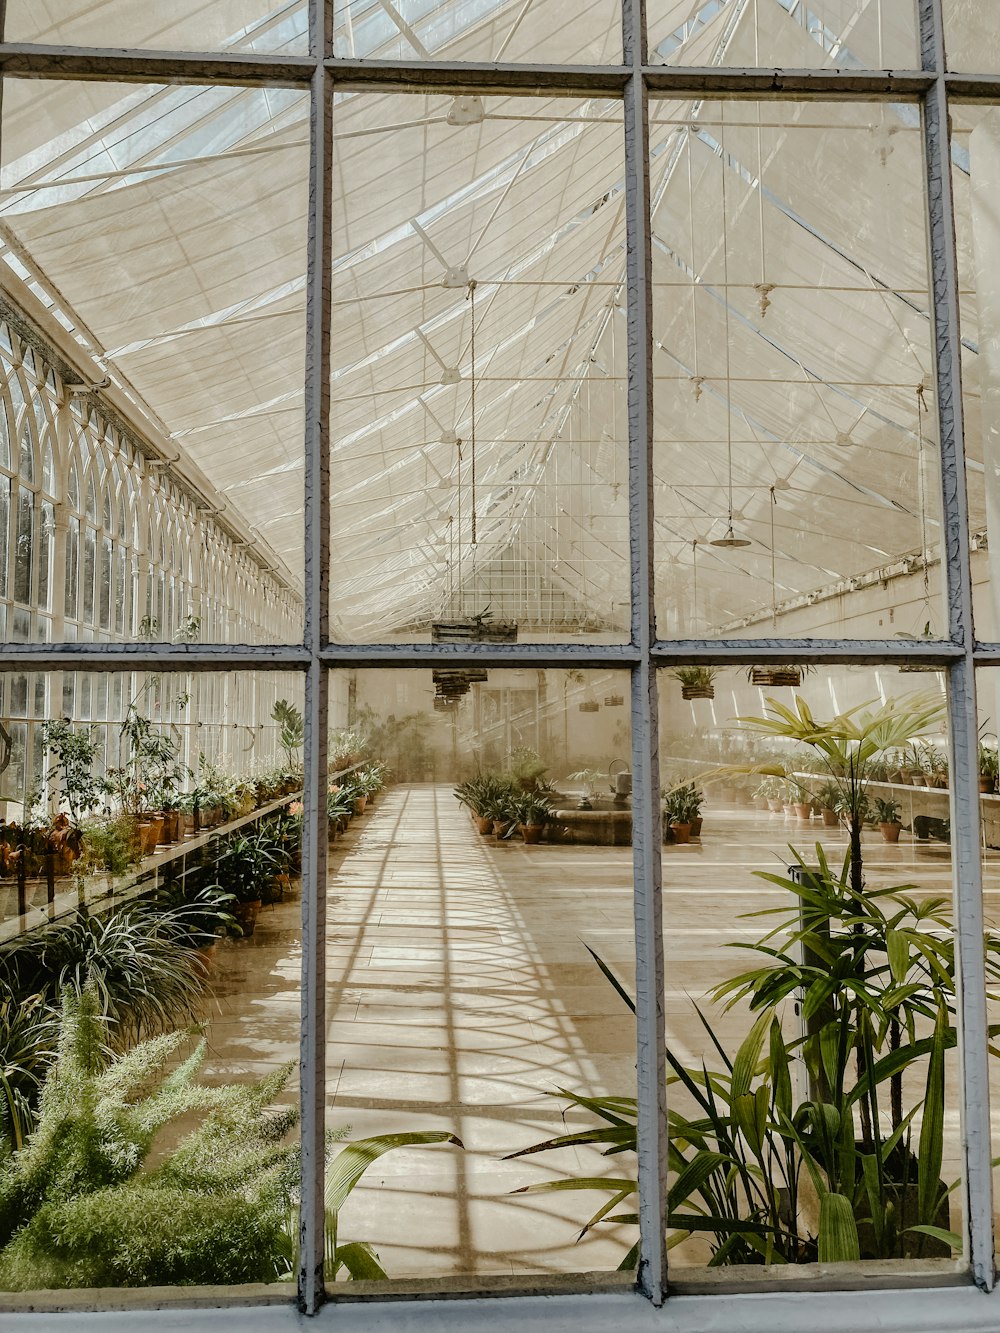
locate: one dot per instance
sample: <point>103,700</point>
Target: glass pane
<point>972,41</point>
<point>796,461</point>
<point>975,159</point>
<point>788,34</point>
<point>500,30</point>
<point>24,552</point>
<point>479,434</point>
<point>171,223</point>
<point>267,26</point>
<point>147,843</point>
<point>462,991</point>
<point>808,937</point>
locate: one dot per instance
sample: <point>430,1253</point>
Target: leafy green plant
<point>110,846</point>
<point>245,862</point>
<point>292,728</point>
<point>525,765</point>
<point>696,677</point>
<point>134,961</point>
<point>682,803</point>
<point>532,808</point>
<point>72,778</point>
<point>86,1201</point>
<point>885,811</point>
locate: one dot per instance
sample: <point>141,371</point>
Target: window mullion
<point>316,520</point>
<point>650,1023</point>
<point>965,816</point>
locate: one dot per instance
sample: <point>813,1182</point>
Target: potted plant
<point>291,729</point>
<point>532,812</point>
<point>244,865</point>
<point>801,800</point>
<point>110,846</point>
<point>525,767</point>
<point>682,805</point>
<point>989,762</point>
<point>499,806</point>
<point>828,796</point>
<point>697,682</point>
<point>887,814</point>
<point>72,779</point>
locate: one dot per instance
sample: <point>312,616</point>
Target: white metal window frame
<point>884,1301</point>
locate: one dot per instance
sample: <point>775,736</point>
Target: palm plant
<point>833,1173</point>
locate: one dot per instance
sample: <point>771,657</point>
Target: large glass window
<point>549,471</point>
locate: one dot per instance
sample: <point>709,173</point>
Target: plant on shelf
<point>291,731</point>
<point>989,765</point>
<point>110,847</point>
<point>245,864</point>
<point>697,682</point>
<point>72,780</point>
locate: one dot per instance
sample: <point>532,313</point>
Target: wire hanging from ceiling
<point>729,539</point>
<point>472,408</point>
<point>774,582</point>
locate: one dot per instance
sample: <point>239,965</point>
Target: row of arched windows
<point>137,559</point>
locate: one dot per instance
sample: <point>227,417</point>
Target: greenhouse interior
<point>500,664</point>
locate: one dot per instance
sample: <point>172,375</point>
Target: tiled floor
<point>461,996</point>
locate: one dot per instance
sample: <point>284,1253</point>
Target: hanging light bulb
<point>730,538</point>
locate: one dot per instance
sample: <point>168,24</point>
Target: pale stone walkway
<point>461,995</point>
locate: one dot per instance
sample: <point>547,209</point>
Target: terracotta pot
<point>206,954</point>
<point>830,818</point>
<point>531,832</point>
<point>986,784</point>
<point>696,827</point>
<point>803,810</point>
<point>359,804</point>
<point>245,915</point>
<point>500,827</point>
<point>483,824</point>
<point>890,832</point>
<point>774,806</point>
<point>681,832</point>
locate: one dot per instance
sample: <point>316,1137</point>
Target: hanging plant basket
<point>589,706</point>
<point>776,675</point>
<point>697,691</point>
<point>613,700</point>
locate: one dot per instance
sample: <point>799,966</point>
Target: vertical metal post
<point>646,834</point>
<point>316,521</point>
<point>965,820</point>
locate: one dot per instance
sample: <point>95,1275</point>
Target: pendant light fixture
<point>730,538</point>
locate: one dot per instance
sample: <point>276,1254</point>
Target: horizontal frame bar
<point>750,652</point>
<point>294,657</point>
<point>31,60</point>
<point>151,657</point>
